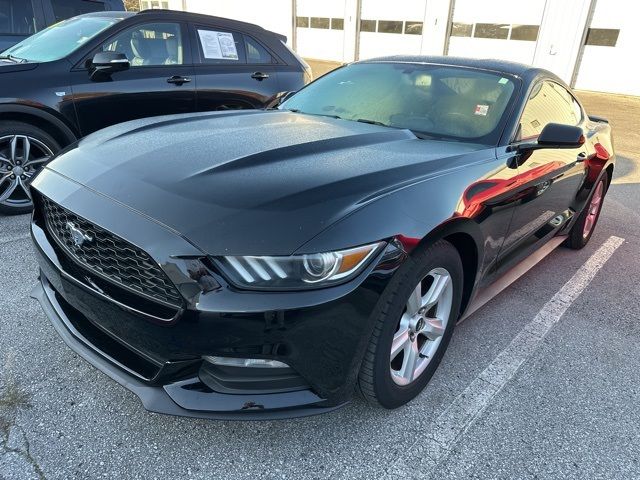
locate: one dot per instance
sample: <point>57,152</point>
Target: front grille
<point>108,255</point>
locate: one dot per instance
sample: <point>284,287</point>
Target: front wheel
<point>413,327</point>
<point>24,151</point>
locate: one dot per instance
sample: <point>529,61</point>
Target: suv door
<point>233,70</point>
<point>550,177</point>
<point>159,81</point>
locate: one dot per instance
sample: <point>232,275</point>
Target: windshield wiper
<point>431,136</point>
<point>372,122</point>
<point>295,110</point>
<point>12,58</point>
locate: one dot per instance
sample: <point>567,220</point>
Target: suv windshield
<point>60,40</point>
<point>431,100</point>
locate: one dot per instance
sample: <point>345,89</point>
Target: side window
<point>16,17</point>
<point>548,103</point>
<point>577,110</point>
<point>63,9</point>
<point>256,53</point>
<point>150,44</point>
<point>219,46</point>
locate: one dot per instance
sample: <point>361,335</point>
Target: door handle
<point>582,156</point>
<point>260,76</point>
<point>178,80</point>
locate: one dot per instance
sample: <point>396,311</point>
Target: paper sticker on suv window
<point>218,45</point>
<point>481,110</point>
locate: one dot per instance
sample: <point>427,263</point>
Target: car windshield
<point>431,100</point>
<point>60,40</point>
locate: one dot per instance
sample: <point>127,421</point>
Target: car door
<point>233,70</point>
<point>549,179</point>
<point>158,82</point>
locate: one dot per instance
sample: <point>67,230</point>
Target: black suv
<point>99,69</point>
<point>22,18</point>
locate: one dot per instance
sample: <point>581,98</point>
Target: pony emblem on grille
<point>77,235</point>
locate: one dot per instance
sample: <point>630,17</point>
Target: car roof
<point>521,70</point>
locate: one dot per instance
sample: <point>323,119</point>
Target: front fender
<point>41,112</point>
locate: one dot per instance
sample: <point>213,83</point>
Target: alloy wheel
<point>593,209</point>
<point>421,327</point>
<point>21,157</point>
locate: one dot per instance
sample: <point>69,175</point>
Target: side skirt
<point>513,274</point>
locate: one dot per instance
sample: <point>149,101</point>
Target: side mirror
<point>555,135</point>
<point>104,64</point>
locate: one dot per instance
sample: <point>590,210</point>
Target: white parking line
<point>13,239</point>
<point>469,405</point>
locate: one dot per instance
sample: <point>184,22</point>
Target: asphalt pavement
<point>542,382</point>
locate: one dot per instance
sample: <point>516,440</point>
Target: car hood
<point>252,182</point>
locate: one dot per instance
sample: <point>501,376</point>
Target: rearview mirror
<point>104,64</point>
<point>556,135</point>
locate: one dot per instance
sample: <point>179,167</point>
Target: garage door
<point>320,29</point>
<point>391,28</point>
<point>503,29</point>
<point>611,45</point>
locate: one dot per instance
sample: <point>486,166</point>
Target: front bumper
<point>179,398</point>
<point>321,335</point>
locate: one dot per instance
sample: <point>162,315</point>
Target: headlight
<point>298,271</point>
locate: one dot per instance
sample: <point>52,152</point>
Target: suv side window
<point>17,18</point>
<point>150,44</point>
<point>217,46</point>
<point>256,53</point>
<point>63,9</point>
<point>548,103</point>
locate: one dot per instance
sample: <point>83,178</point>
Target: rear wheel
<point>413,327</point>
<point>582,230</point>
<point>24,151</point>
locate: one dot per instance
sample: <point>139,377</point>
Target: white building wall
<point>374,44</point>
<point>561,35</point>
<point>613,68</point>
<point>561,28</point>
<point>436,27</point>
<point>500,12</point>
<point>321,43</point>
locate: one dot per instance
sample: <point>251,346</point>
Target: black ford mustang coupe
<point>266,263</point>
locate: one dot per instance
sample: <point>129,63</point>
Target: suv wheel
<point>24,151</point>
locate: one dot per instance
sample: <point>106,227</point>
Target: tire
<point>14,197</point>
<point>582,230</point>
<point>382,379</point>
